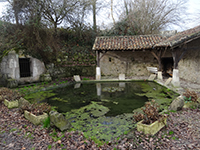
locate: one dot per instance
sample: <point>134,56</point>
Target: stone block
<point>23,103</point>
<point>98,73</point>
<point>45,78</point>
<point>11,104</point>
<point>152,77</point>
<point>36,120</point>
<point>77,78</point>
<point>121,76</point>
<point>59,121</point>
<point>168,81</point>
<point>177,104</point>
<point>175,78</point>
<point>12,83</point>
<point>152,128</point>
<point>191,104</point>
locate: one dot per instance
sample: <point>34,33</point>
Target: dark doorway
<point>24,66</point>
<point>167,64</point>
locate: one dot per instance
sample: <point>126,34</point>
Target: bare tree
<point>56,10</point>
<point>17,7</point>
<point>111,10</point>
<point>151,16</point>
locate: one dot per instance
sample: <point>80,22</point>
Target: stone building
<point>19,69</point>
<point>177,55</point>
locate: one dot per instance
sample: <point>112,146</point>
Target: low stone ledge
<point>11,104</point>
<point>152,128</point>
<point>36,120</point>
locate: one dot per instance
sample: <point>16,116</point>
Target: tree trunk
<point>94,15</point>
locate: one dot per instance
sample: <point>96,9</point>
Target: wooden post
<point>98,58</point>
<point>178,55</point>
<point>158,57</point>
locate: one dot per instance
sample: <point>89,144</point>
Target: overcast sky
<point>104,17</point>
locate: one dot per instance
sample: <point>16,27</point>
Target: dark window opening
<point>109,59</point>
<point>167,65</point>
<point>24,66</point>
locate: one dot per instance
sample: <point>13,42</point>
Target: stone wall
<point>10,68</point>
<point>70,71</point>
<point>128,62</point>
<point>188,66</point>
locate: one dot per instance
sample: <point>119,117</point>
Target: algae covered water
<point>118,97</point>
<point>103,110</point>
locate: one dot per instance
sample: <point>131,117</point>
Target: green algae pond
<point>103,110</point>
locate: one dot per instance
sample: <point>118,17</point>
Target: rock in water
<point>59,121</point>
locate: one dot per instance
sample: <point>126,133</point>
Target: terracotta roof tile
<point>180,37</point>
<point>139,42</point>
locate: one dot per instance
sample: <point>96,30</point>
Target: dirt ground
<point>182,132</point>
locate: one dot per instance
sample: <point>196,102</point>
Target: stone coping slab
<point>36,120</point>
<point>11,104</point>
<point>152,128</point>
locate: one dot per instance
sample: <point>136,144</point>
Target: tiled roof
<point>139,42</point>
<point>180,38</point>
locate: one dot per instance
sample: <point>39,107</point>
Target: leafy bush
<point>190,96</point>
<point>150,113</point>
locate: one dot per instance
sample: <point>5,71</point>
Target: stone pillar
<point>98,73</point>
<point>175,78</point>
<point>121,76</point>
<point>160,77</point>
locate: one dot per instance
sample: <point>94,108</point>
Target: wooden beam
<point>158,57</point>
<point>178,55</point>
<point>103,54</point>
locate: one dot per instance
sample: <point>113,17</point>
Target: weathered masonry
<point>21,69</point>
<point>177,55</point>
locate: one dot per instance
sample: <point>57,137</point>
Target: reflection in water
<point>98,87</point>
<point>122,84</point>
<point>118,97</point>
<point>77,85</point>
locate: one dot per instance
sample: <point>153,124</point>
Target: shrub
<point>190,95</point>
<point>150,113</point>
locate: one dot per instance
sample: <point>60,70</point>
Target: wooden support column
<point>177,55</point>
<point>158,56</point>
<point>98,58</point>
